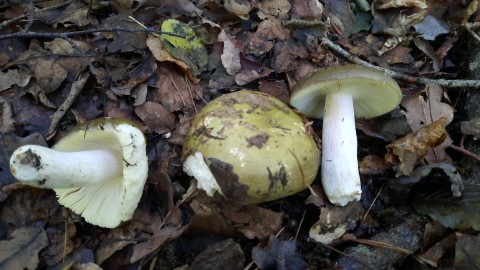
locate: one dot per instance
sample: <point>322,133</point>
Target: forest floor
<point>64,63</point>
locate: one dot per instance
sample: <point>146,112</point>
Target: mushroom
<point>338,95</point>
<point>250,147</point>
<point>98,170</point>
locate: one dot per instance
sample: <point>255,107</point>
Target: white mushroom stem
<point>47,168</point>
<point>340,176</point>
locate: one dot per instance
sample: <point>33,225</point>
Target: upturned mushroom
<point>339,95</point>
<point>98,170</point>
<point>250,147</point>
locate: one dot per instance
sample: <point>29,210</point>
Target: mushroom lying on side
<point>98,170</point>
<point>338,95</point>
<point>250,147</point>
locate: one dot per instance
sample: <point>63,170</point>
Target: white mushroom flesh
<point>43,167</point>
<point>340,176</point>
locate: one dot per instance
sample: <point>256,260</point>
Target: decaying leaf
<point>372,164</point>
<point>231,54</point>
<point>241,8</point>
<point>21,251</point>
<point>460,213</point>
<point>408,151</point>
<point>467,252</point>
<point>431,27</point>
<point>157,48</point>
<point>384,4</point>
<point>7,123</point>
<point>225,254</point>
<point>450,170</point>
<point>268,31</point>
<point>156,117</point>
<point>278,254</point>
<point>471,127</point>
<point>188,48</point>
<point>12,77</point>
<point>335,221</point>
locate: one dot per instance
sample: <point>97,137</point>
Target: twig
<point>30,13</point>
<point>16,19</point>
<point>397,75</point>
<point>465,152</point>
<point>83,32</point>
<point>373,202</point>
<point>74,92</point>
<point>360,261</point>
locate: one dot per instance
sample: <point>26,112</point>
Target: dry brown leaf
<point>471,127</point>
<point>372,164</point>
<point>277,8</point>
<point>256,222</point>
<point>310,9</point>
<point>13,76</point>
<point>277,89</point>
<point>160,237</point>
<point>231,53</point>
<point>408,151</point>
<point>268,31</point>
<point>334,221</point>
<point>173,91</point>
<point>241,8</point>
<point>425,108</point>
<point>384,4</point>
<point>21,250</point>
<point>156,117</point>
<point>399,54</point>
<point>7,123</point>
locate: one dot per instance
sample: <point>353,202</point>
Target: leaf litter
<point>48,84</point>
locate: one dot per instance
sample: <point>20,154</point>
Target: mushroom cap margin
<point>373,92</point>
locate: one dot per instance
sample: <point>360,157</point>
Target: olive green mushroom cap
<point>254,148</point>
<point>373,92</point>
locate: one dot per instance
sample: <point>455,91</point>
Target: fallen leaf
<point>7,123</point>
<point>123,41</point>
<point>310,9</point>
<point>13,77</point>
<point>276,89</point>
<point>384,4</point>
<point>157,48</point>
<point>156,117</point>
<point>423,171</point>
<point>225,254</point>
<point>408,151</point>
<point>471,127</point>
<point>335,221</point>
<point>188,48</point>
<point>231,53</point>
<point>256,222</point>
<point>21,251</point>
<point>425,108</point>
<point>268,31</point>
<point>277,8</point>
<point>278,254</point>
<point>431,27</point>
<point>174,91</point>
<point>398,55</point>
<point>241,8</point>
<point>372,164</point>
<point>160,237</point>
<point>434,253</point>
<point>454,212</point>
<point>467,252</point>
<point>60,242</point>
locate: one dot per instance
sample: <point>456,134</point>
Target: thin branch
<point>5,23</point>
<point>397,75</point>
<point>83,32</point>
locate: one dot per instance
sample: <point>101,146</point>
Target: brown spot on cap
<point>228,181</point>
<point>258,140</point>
